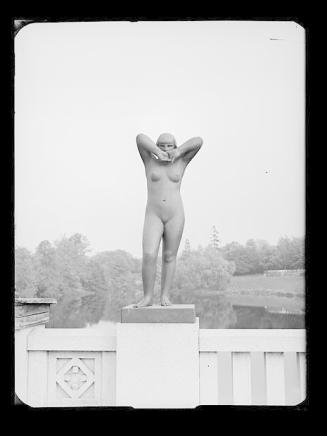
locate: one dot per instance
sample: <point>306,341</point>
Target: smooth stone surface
<point>33,300</point>
<point>177,313</point>
<point>31,320</point>
<point>31,312</point>
<point>157,365</point>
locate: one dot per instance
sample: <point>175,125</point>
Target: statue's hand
<point>173,154</point>
<point>162,155</point>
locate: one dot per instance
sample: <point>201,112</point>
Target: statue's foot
<point>164,300</point>
<point>144,302</point>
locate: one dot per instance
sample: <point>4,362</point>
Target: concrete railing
<point>80,367</point>
<point>252,367</point>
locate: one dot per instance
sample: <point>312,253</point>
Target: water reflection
<point>103,326</point>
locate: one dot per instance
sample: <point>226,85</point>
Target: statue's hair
<point>167,137</point>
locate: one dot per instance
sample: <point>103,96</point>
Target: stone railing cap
<point>23,300</point>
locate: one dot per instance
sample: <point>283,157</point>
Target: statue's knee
<point>169,256</point>
<point>149,257</point>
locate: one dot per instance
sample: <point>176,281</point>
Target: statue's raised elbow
<point>139,138</point>
<point>199,141</point>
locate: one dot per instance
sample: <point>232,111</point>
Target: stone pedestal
<point>158,357</point>
<point>30,314</point>
<point>177,313</point>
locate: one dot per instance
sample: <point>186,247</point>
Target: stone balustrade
<point>158,357</point>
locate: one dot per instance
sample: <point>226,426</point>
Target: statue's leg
<point>152,233</point>
<point>170,243</point>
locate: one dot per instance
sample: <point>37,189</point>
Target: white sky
<point>83,91</point>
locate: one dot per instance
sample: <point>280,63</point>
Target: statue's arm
<point>146,146</point>
<point>188,150</point>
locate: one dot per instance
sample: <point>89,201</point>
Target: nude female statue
<point>165,164</point>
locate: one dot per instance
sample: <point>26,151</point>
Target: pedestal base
<point>158,363</point>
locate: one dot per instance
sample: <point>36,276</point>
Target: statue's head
<point>166,141</point>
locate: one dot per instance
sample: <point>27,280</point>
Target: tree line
<point>257,256</point>
<point>93,287</point>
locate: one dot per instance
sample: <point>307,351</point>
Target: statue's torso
<point>164,181</point>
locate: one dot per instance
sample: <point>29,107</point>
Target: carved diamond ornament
<point>75,378</point>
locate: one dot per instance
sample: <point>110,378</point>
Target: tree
<point>298,257</point>
<point>290,253</point>
<point>62,272</point>
<point>25,274</point>
<point>89,288</point>
<point>121,272</point>
<point>214,238</point>
<point>266,254</point>
<point>253,257</point>
<point>203,269</point>
<point>257,255</point>
<point>237,253</point>
<point>187,249</point>
<point>49,279</point>
<point>93,304</point>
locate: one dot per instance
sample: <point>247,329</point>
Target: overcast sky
<point>83,91</point>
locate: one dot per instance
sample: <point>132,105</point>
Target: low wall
<point>284,272</point>
<point>78,367</point>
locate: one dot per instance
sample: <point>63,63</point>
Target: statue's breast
<point>172,173</point>
<point>155,176</point>
<point>174,176</point>
<point>175,172</point>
